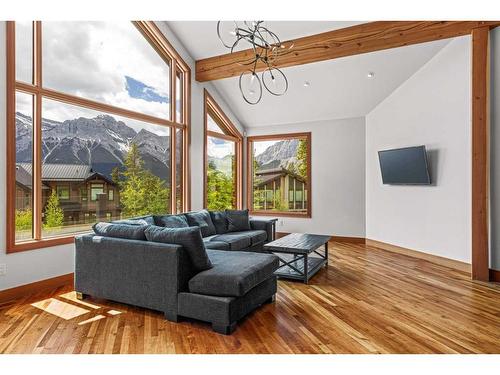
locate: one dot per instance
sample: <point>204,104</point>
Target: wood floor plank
<point>368,300</point>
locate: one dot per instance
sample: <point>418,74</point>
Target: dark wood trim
<point>480,153</point>
<point>249,185</point>
<point>158,41</point>
<point>354,40</point>
<point>347,239</point>
<point>12,294</point>
<point>494,275</point>
<point>212,108</point>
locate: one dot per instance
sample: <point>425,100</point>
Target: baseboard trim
<point>359,240</point>
<point>451,263</point>
<point>18,292</point>
<point>494,275</point>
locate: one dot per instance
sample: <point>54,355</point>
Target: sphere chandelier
<point>267,47</point>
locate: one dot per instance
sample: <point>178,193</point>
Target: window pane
<point>24,51</point>
<point>221,174</point>
<point>24,159</point>
<point>178,98</point>
<point>93,152</point>
<point>110,62</point>
<point>280,175</point>
<point>212,125</point>
<point>178,168</point>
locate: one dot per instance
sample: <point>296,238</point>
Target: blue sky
<point>139,90</point>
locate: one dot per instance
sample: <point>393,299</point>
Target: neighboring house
<point>84,195</point>
<point>292,190</point>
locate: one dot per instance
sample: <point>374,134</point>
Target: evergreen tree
<point>54,216</point>
<point>141,192</point>
<point>220,189</point>
<point>302,159</point>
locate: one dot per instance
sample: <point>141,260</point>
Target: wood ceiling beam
<point>354,40</point>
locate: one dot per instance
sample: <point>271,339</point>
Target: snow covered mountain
<point>101,142</point>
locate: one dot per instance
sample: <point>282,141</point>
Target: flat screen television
<point>404,166</point>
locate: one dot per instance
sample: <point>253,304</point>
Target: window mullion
<point>37,133</point>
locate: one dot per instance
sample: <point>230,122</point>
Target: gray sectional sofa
<point>216,272</point>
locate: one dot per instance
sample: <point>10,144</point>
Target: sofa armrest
<point>269,225</point>
<point>141,273</point>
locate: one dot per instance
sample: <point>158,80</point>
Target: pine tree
<point>141,192</point>
<point>220,189</point>
<point>302,159</point>
<point>54,216</point>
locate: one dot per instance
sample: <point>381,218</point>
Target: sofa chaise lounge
<point>162,276</point>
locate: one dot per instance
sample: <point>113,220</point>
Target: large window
<point>279,175</point>
<point>97,122</point>
<point>223,149</point>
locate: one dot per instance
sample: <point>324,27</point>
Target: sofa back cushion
<point>220,221</point>
<point>201,219</point>
<point>127,229</point>
<point>189,237</point>
<point>171,221</point>
<point>238,220</point>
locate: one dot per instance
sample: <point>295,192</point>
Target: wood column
<point>480,153</point>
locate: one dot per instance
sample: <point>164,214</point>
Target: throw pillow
<point>190,238</point>
<point>121,230</point>
<point>237,220</point>
<point>171,221</point>
<point>220,221</point>
<point>201,219</point>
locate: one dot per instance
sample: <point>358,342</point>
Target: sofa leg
<point>81,296</point>
<point>223,329</point>
<point>171,317</point>
<point>271,299</point>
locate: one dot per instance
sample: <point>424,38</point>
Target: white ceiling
<point>338,88</point>
<point>201,41</point>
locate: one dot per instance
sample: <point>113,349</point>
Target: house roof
<point>59,172</point>
<point>268,175</point>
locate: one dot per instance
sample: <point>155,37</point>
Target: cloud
<point>93,59</point>
<point>219,148</point>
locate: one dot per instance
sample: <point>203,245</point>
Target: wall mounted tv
<point>404,166</point>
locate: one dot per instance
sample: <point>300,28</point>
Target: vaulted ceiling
<point>338,88</point>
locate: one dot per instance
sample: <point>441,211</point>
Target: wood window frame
<point>158,41</point>
<point>231,133</point>
<point>276,137</point>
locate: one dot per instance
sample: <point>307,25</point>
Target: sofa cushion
<point>189,237</point>
<point>218,245</point>
<point>131,231</point>
<point>233,274</point>
<point>220,221</point>
<point>256,236</point>
<point>236,241</point>
<point>171,221</point>
<point>237,220</point>
<point>201,219</point>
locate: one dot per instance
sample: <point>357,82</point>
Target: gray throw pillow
<point>201,219</point>
<point>237,220</point>
<point>220,221</point>
<point>121,230</point>
<point>190,238</point>
<point>171,221</point>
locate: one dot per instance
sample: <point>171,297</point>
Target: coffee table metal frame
<point>301,267</point>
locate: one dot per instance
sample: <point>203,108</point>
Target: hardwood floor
<point>367,301</point>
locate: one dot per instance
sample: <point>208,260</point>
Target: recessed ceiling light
<point>307,84</point>
<point>370,74</point>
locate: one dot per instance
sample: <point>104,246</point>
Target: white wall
<point>432,108</point>
<point>495,152</point>
<point>338,176</point>
<point>31,266</point>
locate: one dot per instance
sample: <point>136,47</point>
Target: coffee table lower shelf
<point>298,272</point>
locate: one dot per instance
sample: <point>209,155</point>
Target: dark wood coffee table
<point>301,266</point>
